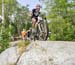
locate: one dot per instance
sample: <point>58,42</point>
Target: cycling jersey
<point>35,14</point>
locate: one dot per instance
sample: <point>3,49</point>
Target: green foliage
<point>28,25</point>
<point>15,19</point>
<point>4,40</point>
<point>22,19</point>
<point>61,14</point>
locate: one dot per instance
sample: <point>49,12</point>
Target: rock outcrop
<point>41,53</point>
<point>9,56</point>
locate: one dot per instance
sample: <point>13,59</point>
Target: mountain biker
<point>34,15</point>
<point>38,31</point>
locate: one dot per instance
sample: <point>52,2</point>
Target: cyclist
<point>34,15</point>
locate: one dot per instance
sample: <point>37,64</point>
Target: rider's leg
<point>33,22</point>
<point>36,22</point>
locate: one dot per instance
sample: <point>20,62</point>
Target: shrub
<point>4,40</point>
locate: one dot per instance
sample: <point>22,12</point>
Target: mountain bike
<point>41,32</point>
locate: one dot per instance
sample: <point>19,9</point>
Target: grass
<point>23,43</point>
<point>22,46</point>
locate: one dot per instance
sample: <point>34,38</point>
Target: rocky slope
<point>41,53</point>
